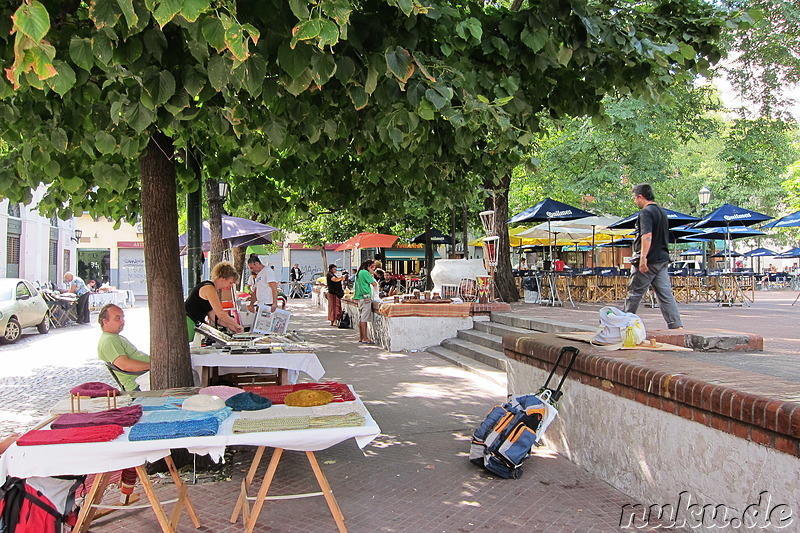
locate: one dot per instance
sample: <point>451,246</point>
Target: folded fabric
<point>157,404</point>
<point>203,402</point>
<point>179,415</point>
<point>337,421</point>
<point>284,423</point>
<point>278,411</point>
<point>174,430</point>
<point>223,391</point>
<point>123,416</point>
<point>276,393</point>
<point>38,437</point>
<point>248,401</point>
<point>93,389</point>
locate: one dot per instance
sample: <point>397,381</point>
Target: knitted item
<point>93,389</point>
<point>174,430</point>
<point>222,391</point>
<point>282,410</point>
<point>157,404</point>
<point>257,425</point>
<point>203,402</point>
<point>38,437</point>
<point>179,415</point>
<point>308,398</point>
<point>248,401</point>
<point>276,393</point>
<point>337,421</point>
<point>124,416</point>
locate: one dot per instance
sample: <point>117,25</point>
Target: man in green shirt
<point>363,295</point>
<point>116,349</point>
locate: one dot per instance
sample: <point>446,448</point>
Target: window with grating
<point>12,250</point>
<point>14,210</point>
<point>66,260</point>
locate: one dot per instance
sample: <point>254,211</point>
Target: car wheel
<point>13,331</point>
<point>44,326</point>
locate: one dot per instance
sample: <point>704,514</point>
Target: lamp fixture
<point>704,196</point>
<point>78,235</point>
<point>224,189</point>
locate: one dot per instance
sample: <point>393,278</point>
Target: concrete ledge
<point>714,340</point>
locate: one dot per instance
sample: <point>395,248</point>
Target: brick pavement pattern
<point>415,477</point>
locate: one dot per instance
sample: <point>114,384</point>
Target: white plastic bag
<point>618,328</point>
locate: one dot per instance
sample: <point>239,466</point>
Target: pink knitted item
<point>38,437</point>
<point>222,391</point>
<point>93,389</point>
<point>124,416</point>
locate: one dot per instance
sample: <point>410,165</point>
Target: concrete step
<point>480,353</point>
<point>485,371</point>
<point>495,328</point>
<point>545,325</point>
<point>483,338</point>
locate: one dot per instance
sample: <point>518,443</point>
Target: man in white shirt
<point>265,290</point>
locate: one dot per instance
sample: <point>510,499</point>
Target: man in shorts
<point>363,295</point>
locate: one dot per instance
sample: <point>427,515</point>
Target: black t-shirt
<point>653,219</point>
<point>334,287</point>
<point>197,307</point>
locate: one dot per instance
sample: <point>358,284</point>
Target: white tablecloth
<point>119,298</point>
<point>227,363</point>
<point>90,458</point>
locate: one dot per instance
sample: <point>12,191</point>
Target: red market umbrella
<point>368,240</point>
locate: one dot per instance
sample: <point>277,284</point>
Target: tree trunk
<point>214,222</point>
<point>504,278</point>
<point>239,256</point>
<point>465,231</point>
<point>428,257</point>
<point>194,231</point>
<point>453,233</point>
<point>324,254</point>
<point>169,343</point>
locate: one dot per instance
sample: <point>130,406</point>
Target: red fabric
<point>94,389</point>
<point>276,393</point>
<point>38,437</point>
<point>124,416</point>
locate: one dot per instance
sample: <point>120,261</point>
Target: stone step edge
<point>498,377</point>
<point>477,352</point>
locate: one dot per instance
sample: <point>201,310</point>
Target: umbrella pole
<point>594,255</point>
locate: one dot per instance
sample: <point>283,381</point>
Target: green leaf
<point>299,84</point>
<point>235,41</point>
<point>358,96</point>
<point>436,98</point>
<point>105,143</point>
<point>276,133</point>
<point>166,11</point>
<point>138,116</point>
<point>178,103</point>
<point>294,61</point>
<point>58,138</point>
<point>535,40</point>
<point>258,154</point>
<point>300,9</point>
<point>323,67</point>
<point>32,20</point>
<point>687,51</point>
<point>194,79</point>
<point>160,87</point>
<point>214,33</point>
<point>426,110</point>
<point>330,128</point>
<point>372,80</point>
<point>80,51</point>
<point>329,35</point>
<point>156,42</point>
<point>345,69</point>
<point>406,6</point>
<point>255,74</point>
<point>104,13</point>
<point>192,9</point>
<point>52,169</point>
<point>101,48</point>
<point>564,55</point>
<point>130,13</point>
<point>400,63</point>
<point>64,80</point>
<point>252,32</point>
<point>307,29</point>
<point>129,148</point>
<point>218,72</point>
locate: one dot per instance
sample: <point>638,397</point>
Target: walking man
<point>651,257</point>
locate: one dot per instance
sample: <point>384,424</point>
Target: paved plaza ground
<point>415,476</point>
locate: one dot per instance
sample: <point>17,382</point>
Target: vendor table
<point>118,298</point>
<point>107,457</point>
<point>204,359</point>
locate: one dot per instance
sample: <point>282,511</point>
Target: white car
<point>21,306</point>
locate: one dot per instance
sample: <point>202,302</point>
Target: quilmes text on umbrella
<point>737,216</point>
<point>552,214</point>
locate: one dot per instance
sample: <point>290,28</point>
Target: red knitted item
<point>38,437</point>
<point>124,416</point>
<point>94,389</point>
<point>276,393</point>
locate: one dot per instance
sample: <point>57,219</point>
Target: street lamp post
<point>704,198</point>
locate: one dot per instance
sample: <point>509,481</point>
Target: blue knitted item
<point>174,424</point>
<point>157,404</point>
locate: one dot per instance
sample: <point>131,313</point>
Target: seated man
<point>116,349</point>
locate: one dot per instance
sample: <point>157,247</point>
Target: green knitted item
<point>258,425</point>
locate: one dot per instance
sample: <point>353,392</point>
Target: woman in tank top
<point>203,302</point>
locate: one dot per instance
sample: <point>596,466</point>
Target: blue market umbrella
<point>794,252</point>
<point>692,252</point>
<point>760,252</point>
<point>727,253</point>
<point>619,243</point>
<point>784,222</point>
<point>674,218</point>
<point>729,233</point>
<point>549,210</point>
<point>437,237</point>
<point>729,217</point>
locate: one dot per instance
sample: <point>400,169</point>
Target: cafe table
<point>103,458</point>
<point>204,360</point>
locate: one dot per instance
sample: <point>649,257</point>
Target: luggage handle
<point>556,393</point>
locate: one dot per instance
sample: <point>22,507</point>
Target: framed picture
<point>267,322</point>
<point>280,321</point>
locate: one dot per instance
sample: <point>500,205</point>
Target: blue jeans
<point>657,275</point>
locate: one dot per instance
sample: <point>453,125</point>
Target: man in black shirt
<point>651,257</point>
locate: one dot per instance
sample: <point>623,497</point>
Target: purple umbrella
<point>236,232</point>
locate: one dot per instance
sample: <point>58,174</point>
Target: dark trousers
<point>83,309</point>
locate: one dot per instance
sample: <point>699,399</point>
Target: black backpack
<point>344,321</point>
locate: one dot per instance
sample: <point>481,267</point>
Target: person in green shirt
<point>363,295</point>
<point>116,349</point>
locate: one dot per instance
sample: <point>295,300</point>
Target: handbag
<point>344,320</point>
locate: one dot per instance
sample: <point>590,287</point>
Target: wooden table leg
<point>327,492</point>
<point>94,496</point>
<point>204,376</point>
<point>183,496</point>
<point>251,474</point>
<point>163,521</point>
<point>283,376</point>
<point>262,493</point>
